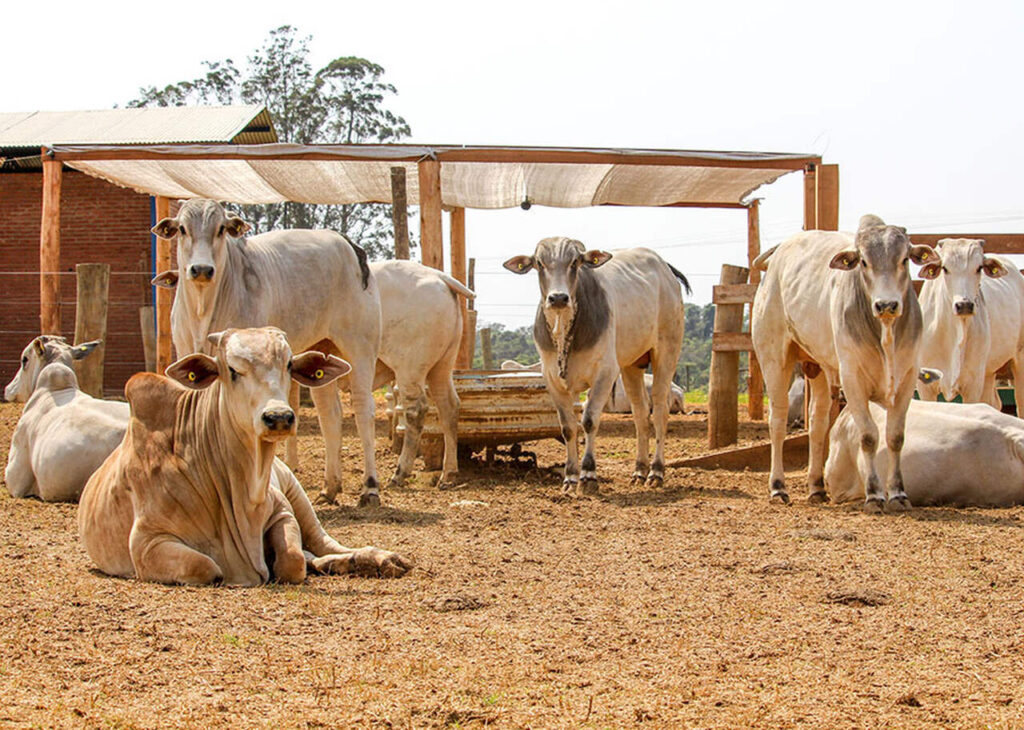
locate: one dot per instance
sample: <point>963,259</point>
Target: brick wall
<point>100,223</point>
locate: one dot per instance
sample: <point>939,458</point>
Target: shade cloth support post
<point>431,236</point>
<point>723,387</point>
<point>91,324</point>
<point>400,212</point>
<point>755,382</point>
<point>163,296</point>
<point>457,253</point>
<point>828,197</point>
<point>49,248</point>
<point>810,198</point>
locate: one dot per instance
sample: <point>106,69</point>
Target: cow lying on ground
<point>844,304</point>
<point>194,495</point>
<point>63,434</point>
<point>600,315</point>
<point>618,401</point>
<point>973,311</point>
<point>421,329</point>
<point>233,281</point>
<point>953,454</point>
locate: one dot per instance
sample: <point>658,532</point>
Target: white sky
<point>919,103</point>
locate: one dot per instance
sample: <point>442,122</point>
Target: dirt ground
<point>696,605</point>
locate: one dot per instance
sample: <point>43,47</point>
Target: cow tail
<point>364,267</point>
<point>679,275</point>
<point>457,286</point>
<point>761,262</point>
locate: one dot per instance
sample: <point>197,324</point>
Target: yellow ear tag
<point>520,265</point>
<point>319,374</point>
<point>192,375</point>
<point>595,259</point>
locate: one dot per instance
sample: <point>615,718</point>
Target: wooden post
<point>164,297</point>
<point>723,390</point>
<point>49,249</point>
<point>457,253</point>
<point>91,324</point>
<point>810,198</point>
<point>400,212</point>
<point>485,348</point>
<point>431,236</point>
<point>469,323</point>
<point>146,315</point>
<point>828,197</point>
<point>755,382</point>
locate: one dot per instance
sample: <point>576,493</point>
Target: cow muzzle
<point>278,421</point>
<point>201,273</point>
<point>963,307</point>
<point>886,308</point>
<point>558,300</point>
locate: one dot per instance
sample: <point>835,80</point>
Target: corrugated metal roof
<point>23,133</point>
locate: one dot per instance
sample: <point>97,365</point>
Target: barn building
<point>99,222</point>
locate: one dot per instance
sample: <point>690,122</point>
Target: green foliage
<point>342,102</point>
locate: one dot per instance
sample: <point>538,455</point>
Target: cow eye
<point>289,366</point>
<point>980,268</point>
<point>221,232</point>
<point>234,373</point>
<point>864,263</point>
<point>24,360</point>
<point>945,270</point>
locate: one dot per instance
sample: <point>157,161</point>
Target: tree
<point>342,102</point>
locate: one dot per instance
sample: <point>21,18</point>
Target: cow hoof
<point>874,506</point>
<point>325,498</point>
<point>589,488</point>
<point>778,498</point>
<point>447,481</point>
<point>369,499</point>
<point>817,498</point>
<point>637,479</point>
<point>655,481</point>
<point>397,482</point>
<point>898,504</point>
<point>569,486</point>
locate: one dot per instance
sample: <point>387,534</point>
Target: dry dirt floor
<point>695,605</point>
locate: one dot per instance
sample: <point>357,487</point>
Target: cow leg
<point>328,411</point>
<point>291,457</point>
<point>990,394</point>
<point>166,559</point>
<point>284,538</point>
<point>442,392</point>
<point>776,379</point>
<point>818,426</point>
<point>564,402</point>
<point>857,404</point>
<point>660,389</point>
<point>633,384</point>
<point>895,430</point>
<point>20,480</point>
<point>592,410</point>
<point>414,408</point>
<point>361,382</point>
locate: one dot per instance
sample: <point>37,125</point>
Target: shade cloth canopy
<point>471,177</point>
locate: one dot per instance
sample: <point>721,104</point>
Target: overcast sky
<point>919,103</point>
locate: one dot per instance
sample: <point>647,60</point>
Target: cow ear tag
<point>520,265</point>
<point>319,374</point>
<point>192,375</point>
<point>596,259</point>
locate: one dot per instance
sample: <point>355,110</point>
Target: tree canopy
<point>345,101</point>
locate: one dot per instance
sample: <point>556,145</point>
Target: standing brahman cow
<point>973,310</point>
<point>63,434</point>
<point>963,454</point>
<point>231,281</point>
<point>843,302</point>
<point>194,494</point>
<point>600,314</point>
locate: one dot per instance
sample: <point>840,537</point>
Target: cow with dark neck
<point>226,279</point>
<point>600,314</point>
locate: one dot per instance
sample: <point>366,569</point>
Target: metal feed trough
<point>497,407</point>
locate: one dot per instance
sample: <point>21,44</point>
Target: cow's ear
<point>236,227</point>
<point>167,228</point>
<point>313,368</point>
<point>994,268</point>
<point>921,254</point>
<point>519,264</point>
<point>845,260</point>
<point>166,279</point>
<point>594,258</point>
<point>80,351</point>
<point>930,271</point>
<point>193,371</point>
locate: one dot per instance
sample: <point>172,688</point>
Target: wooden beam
<point>93,283</point>
<point>164,297</point>
<point>49,248</point>
<point>457,253</point>
<point>757,457</point>
<point>810,198</point>
<point>755,381</point>
<point>828,197</point>
<point>400,212</point>
<point>723,386</point>
<point>431,236</point>
<point>733,293</point>
<point>731,342</point>
<point>994,242</point>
